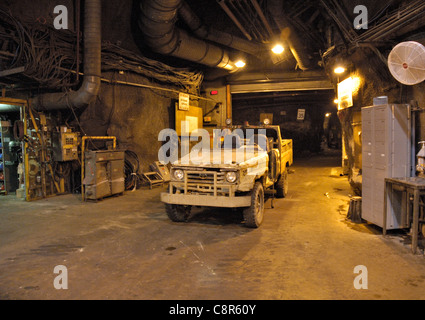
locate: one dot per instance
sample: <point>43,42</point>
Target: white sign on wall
<point>183,101</point>
<point>301,114</point>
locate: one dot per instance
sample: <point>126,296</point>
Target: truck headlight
<point>231,176</point>
<point>179,174</point>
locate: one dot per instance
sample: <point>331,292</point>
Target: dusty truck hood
<point>253,164</point>
<point>239,158</point>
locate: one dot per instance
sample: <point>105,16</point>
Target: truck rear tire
<point>177,213</point>
<point>282,185</point>
<point>255,213</point>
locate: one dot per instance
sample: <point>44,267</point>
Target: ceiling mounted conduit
<point>288,34</point>
<point>217,36</point>
<point>157,24</point>
<point>249,18</point>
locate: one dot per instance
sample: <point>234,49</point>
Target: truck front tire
<point>255,213</point>
<point>177,213</point>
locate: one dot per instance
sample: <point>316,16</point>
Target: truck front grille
<point>207,177</point>
<point>205,183</point>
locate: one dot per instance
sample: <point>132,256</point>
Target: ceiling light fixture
<point>278,49</point>
<point>339,70</point>
<point>240,64</point>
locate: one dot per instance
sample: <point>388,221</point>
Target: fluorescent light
<point>9,108</point>
<point>240,64</point>
<point>278,49</point>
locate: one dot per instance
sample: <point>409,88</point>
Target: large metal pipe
<point>92,66</point>
<point>262,16</point>
<point>288,34</point>
<point>156,22</point>
<point>234,19</point>
<point>214,35</point>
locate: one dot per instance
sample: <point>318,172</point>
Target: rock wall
<point>374,80</point>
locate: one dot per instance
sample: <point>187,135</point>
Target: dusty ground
<point>126,248</point>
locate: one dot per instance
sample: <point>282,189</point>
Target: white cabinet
<point>386,153</point>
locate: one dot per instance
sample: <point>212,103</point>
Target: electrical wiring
<point>49,57</point>
<point>116,58</point>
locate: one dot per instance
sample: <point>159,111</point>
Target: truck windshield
<point>256,139</point>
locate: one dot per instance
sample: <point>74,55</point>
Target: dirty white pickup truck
<point>247,164</point>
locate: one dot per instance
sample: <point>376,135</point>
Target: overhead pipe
<point>217,36</point>
<point>92,66</point>
<point>342,28</point>
<point>289,35</point>
<point>262,17</point>
<point>234,19</point>
<point>157,23</point>
<point>246,15</point>
<point>394,22</point>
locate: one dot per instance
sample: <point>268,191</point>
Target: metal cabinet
<point>8,166</point>
<point>104,173</point>
<point>386,153</point>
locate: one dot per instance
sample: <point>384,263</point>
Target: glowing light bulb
<point>240,64</point>
<point>278,49</point>
<point>339,70</point>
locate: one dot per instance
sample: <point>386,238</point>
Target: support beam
<point>229,113</point>
<point>282,86</point>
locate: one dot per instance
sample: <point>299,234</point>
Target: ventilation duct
<point>214,35</point>
<point>92,66</point>
<point>288,34</point>
<point>156,22</point>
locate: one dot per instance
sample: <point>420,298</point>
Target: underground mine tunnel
<point>212,150</point>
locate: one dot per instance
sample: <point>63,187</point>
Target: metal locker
<point>386,153</point>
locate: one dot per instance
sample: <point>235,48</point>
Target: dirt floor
<point>126,248</point>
